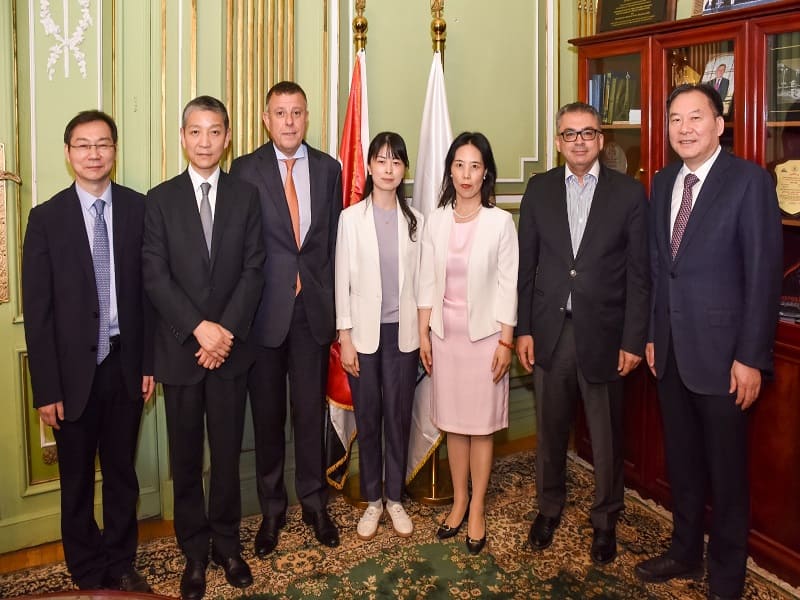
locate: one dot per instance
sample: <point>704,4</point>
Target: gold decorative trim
<point>15,128</point>
<point>325,86</point>
<point>290,39</point>
<point>193,53</point>
<point>163,89</point>
<point>4,292</point>
<point>113,57</point>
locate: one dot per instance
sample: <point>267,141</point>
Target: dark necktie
<point>205,214</point>
<point>102,276</point>
<point>683,212</point>
<point>294,207</point>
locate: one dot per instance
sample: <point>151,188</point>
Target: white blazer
<point>491,271</point>
<point>358,278</point>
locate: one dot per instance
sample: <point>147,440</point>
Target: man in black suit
<point>719,82</point>
<point>583,304</point>
<point>301,198</point>
<point>717,255</point>
<point>88,328</point>
<point>202,259</point>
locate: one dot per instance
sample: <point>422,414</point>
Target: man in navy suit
<point>202,258</point>
<point>301,197</point>
<point>88,329</point>
<point>716,260</point>
<point>583,301</point>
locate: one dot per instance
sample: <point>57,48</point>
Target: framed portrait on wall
<point>713,6</point>
<point>719,73</point>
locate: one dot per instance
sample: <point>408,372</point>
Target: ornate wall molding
<point>66,44</point>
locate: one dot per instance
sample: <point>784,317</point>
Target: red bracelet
<point>506,344</point>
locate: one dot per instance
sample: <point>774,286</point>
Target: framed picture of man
<point>719,74</point>
<point>712,6</point>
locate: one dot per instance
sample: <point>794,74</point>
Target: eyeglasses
<point>102,148</point>
<point>586,134</point>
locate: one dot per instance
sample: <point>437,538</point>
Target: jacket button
<point>572,272</point>
<point>672,275</point>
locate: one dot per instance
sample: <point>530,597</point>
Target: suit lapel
<point>559,218</point>
<point>188,200</point>
<point>222,211</point>
<point>120,228</point>
<point>665,185</point>
<point>74,221</point>
<point>317,190</point>
<point>708,196</point>
<point>271,175</point>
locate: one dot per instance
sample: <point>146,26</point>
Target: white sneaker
<point>400,520</point>
<point>368,524</point>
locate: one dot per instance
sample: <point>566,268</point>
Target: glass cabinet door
<point>782,135</point>
<point>613,87</point>
<point>710,63</point>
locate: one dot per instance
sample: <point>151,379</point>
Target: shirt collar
<point>594,171</point>
<point>197,179</point>
<point>702,170</point>
<point>301,153</point>
<point>87,200</point>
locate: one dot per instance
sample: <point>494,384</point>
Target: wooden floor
<point>153,528</point>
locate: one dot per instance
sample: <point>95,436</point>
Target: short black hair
<point>206,103</point>
<point>283,88</point>
<point>477,139</point>
<point>579,107</point>
<point>706,89</point>
<point>89,116</point>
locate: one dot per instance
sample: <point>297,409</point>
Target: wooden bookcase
<point>760,47</point>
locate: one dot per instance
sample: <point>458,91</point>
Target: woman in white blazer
<point>468,310</point>
<point>377,267</point>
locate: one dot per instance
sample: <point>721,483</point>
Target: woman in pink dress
<point>468,310</point>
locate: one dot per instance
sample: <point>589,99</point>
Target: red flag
<point>352,154</point>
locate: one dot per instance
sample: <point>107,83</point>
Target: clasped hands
<point>215,342</point>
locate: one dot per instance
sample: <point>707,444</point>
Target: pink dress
<point>465,399</point>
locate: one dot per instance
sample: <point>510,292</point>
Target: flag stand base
<point>351,491</point>
<point>432,485</point>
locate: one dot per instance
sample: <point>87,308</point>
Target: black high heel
<point>475,546</point>
<point>445,531</point>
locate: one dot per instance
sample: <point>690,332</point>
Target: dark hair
<point>579,107</point>
<point>206,103</point>
<point>89,116</point>
<point>477,139</point>
<point>397,149</point>
<point>704,88</point>
<point>283,88</point>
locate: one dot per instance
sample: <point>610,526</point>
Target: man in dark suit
<point>583,304</point>
<point>300,192</point>
<point>88,329</point>
<point>716,254</point>
<point>202,259</point>
<point>720,82</point>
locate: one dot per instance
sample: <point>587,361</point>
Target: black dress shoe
<point>130,581</point>
<point>445,531</point>
<point>193,580</point>
<point>475,546</point>
<point>237,572</point>
<point>266,539</point>
<point>542,530</point>
<point>604,546</point>
<point>663,568</point>
<point>324,529</point>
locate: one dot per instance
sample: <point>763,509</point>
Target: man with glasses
<point>301,198</point>
<point>582,325</point>
<point>89,330</point>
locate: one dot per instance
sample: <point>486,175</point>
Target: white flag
<point>435,137</point>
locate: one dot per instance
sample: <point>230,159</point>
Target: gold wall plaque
<point>788,188</point>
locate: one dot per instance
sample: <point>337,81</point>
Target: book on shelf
<point>613,95</point>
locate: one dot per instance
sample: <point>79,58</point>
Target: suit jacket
<point>607,276</point>
<point>718,300</point>
<point>358,279</point>
<point>491,271</point>
<point>314,260</point>
<point>187,286</point>
<point>61,306</point>
<point>723,86</point>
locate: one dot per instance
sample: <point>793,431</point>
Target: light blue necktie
<point>102,277</point>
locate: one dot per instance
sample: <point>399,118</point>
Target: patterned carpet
<point>422,567</point>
